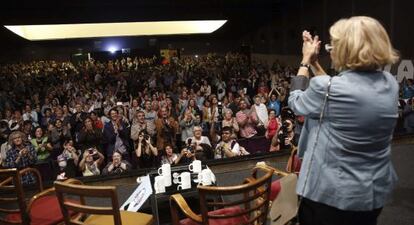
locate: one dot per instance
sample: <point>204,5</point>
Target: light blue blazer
<point>352,168</point>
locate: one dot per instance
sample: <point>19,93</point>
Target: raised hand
<point>311,47</point>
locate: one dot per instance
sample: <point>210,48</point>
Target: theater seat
<point>44,211</point>
<point>252,208</point>
<point>98,215</point>
<point>226,211</point>
<point>43,208</point>
<point>274,190</point>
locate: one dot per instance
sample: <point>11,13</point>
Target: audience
<point>408,113</point>
<point>186,108</point>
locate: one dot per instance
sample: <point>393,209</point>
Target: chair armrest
<point>267,168</point>
<point>177,199</point>
<point>24,171</point>
<point>48,192</point>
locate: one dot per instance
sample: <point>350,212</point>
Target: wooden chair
<point>16,195</point>
<point>87,214</point>
<point>283,198</point>
<point>43,208</point>
<point>294,163</point>
<point>252,208</point>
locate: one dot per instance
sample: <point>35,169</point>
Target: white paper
<point>140,195</point>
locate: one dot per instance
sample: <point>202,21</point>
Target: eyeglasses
<point>328,48</point>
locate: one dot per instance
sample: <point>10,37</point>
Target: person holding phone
<point>117,166</point>
<point>347,176</point>
<point>91,161</point>
<point>145,155</point>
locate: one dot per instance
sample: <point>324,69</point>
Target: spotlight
<point>112,49</point>
<point>196,56</point>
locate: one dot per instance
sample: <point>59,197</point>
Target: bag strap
<point>321,115</point>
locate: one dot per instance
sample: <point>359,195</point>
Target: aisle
<point>400,210</point>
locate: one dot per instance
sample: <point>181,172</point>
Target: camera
<point>189,146</point>
<point>220,111</point>
<point>220,107</point>
<point>146,136</point>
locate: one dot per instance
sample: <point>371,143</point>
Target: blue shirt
<point>275,105</point>
<point>351,168</point>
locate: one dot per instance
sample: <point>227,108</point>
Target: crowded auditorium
<point>214,112</point>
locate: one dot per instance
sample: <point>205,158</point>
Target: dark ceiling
<point>242,15</point>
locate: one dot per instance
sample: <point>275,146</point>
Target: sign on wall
<point>404,68</point>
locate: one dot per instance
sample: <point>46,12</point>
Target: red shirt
<point>98,124</point>
<point>272,128</point>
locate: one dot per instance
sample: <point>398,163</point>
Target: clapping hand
<point>23,152</point>
<point>310,48</point>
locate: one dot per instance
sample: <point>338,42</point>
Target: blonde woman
<point>230,121</point>
<point>348,175</point>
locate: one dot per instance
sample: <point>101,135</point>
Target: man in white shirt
<point>227,147</point>
<point>262,115</point>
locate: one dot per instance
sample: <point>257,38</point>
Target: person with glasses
<point>347,174</point>
<point>198,137</point>
<point>228,146</point>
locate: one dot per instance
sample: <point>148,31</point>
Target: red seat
<point>225,211</point>
<point>274,190</point>
<point>44,211</point>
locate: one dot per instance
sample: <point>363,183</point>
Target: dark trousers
<point>314,213</point>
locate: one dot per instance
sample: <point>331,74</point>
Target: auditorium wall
<point>281,36</point>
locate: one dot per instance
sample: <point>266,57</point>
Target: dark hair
<point>227,128</point>
<point>113,109</point>
<point>206,154</point>
<point>27,122</point>
<point>57,121</point>
<point>35,129</point>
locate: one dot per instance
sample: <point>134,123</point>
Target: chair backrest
<point>81,209</point>
<point>251,197</point>
<point>12,190</point>
<point>294,163</point>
